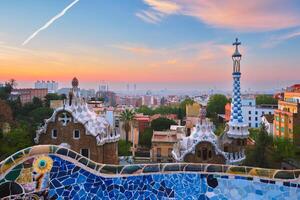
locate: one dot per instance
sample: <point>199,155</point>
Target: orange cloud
<point>254,15</point>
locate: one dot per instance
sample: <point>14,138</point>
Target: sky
<point>157,44</point>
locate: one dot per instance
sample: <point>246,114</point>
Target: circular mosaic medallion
<point>42,164</point>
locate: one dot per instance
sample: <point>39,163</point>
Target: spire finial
<point>236,44</point>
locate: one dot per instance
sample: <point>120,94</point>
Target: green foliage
<point>266,99</point>
<point>258,157</point>
<point>19,138</point>
<point>162,124</point>
<point>145,110</point>
<point>219,128</point>
<point>254,133</point>
<point>38,115</point>
<point>124,148</point>
<point>163,110</point>
<point>127,117</point>
<point>216,105</point>
<point>284,148</point>
<point>145,138</point>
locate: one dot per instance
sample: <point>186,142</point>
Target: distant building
<point>54,104</point>
<point>162,146</point>
<point>267,121</point>
<point>252,113</point>
<point>74,125</point>
<point>287,116</point>
<point>26,95</point>
<point>52,86</point>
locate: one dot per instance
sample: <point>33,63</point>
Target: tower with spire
<point>237,127</point>
<point>236,133</point>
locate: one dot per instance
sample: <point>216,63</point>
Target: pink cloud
<point>254,15</point>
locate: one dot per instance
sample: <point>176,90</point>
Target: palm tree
<point>127,117</point>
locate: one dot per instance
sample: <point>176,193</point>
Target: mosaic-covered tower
<point>236,133</point>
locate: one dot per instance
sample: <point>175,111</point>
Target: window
<point>158,152</point>
<point>256,125</point>
<point>249,118</point>
<point>255,118</point>
<point>277,127</point>
<point>85,152</point>
<point>249,112</point>
<point>270,113</point>
<point>54,133</point>
<point>282,119</point>
<point>117,123</point>
<point>282,129</point>
<point>209,154</point>
<point>250,103</point>
<point>250,125</point>
<point>256,112</point>
<point>76,134</point>
<point>263,112</point>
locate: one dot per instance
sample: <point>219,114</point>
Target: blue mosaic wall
<point>49,172</point>
<point>69,181</point>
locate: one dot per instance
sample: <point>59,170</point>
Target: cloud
<point>56,17</point>
<point>254,15</point>
<point>158,10</point>
<point>276,40</point>
<point>150,16</point>
<point>133,48</point>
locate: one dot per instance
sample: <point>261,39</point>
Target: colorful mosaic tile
<point>59,173</point>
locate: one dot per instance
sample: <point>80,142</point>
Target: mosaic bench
<point>53,172</point>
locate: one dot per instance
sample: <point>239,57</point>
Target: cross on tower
<point>237,43</point>
<point>65,119</point>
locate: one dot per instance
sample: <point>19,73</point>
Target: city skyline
<point>168,44</point>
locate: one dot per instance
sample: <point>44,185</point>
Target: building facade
<point>287,116</point>
<point>52,86</point>
<point>76,127</point>
<point>26,95</point>
<point>252,113</point>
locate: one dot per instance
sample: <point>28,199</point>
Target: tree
<point>146,137</point>
<point>162,124</point>
<point>284,148</point>
<point>124,148</point>
<point>38,115</point>
<point>145,110</point>
<point>258,157</point>
<point>266,99</point>
<point>216,105</point>
<point>6,114</point>
<point>127,117</point>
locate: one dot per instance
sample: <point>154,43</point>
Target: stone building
<point>204,146</point>
<point>75,126</point>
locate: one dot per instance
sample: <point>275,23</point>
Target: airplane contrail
<point>56,17</point>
